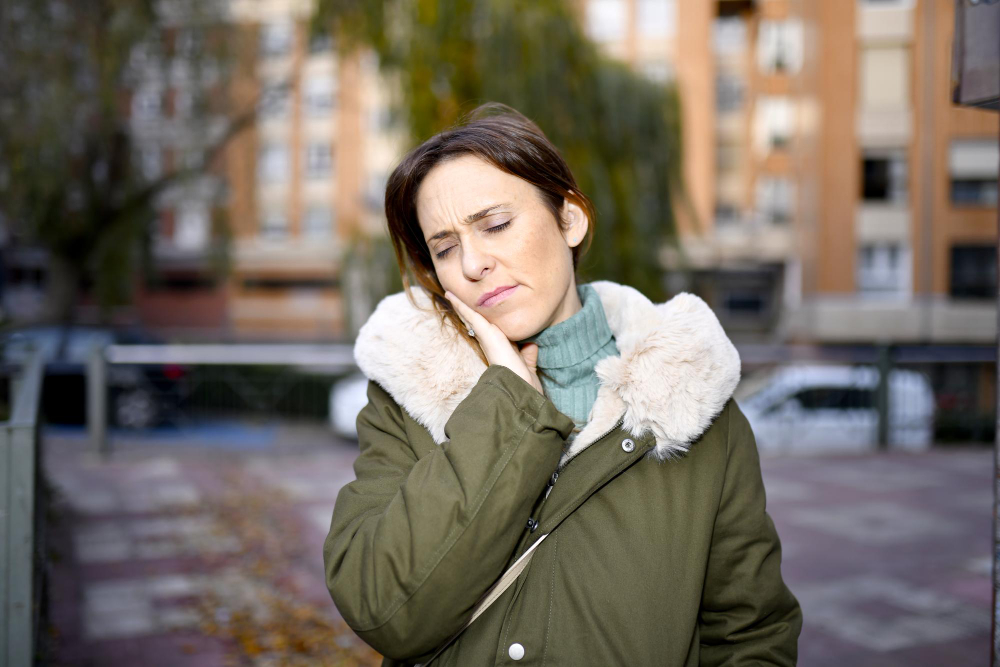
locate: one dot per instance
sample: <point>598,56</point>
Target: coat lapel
<point>675,371</point>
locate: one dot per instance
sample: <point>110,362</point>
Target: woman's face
<point>487,229</point>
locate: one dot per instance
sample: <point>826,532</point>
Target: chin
<point>516,327</point>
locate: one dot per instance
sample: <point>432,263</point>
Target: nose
<point>476,264</point>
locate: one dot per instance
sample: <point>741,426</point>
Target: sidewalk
<point>889,555</point>
<point>170,555</point>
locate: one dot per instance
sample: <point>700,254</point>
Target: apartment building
<point>838,194</point>
<point>300,185</point>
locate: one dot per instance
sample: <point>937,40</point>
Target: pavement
<point>172,552</point>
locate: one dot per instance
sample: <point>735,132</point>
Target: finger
<point>472,318</point>
<point>529,352</point>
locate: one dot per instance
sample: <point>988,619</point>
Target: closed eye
<point>491,230</point>
<point>498,228</point>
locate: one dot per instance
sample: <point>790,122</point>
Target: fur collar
<point>676,369</point>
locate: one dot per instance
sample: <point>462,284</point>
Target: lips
<point>496,296</point>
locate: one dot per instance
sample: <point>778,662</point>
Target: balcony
<point>853,318</point>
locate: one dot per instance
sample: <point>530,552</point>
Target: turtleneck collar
<point>577,338</point>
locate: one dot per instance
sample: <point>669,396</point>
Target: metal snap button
<point>516,651</point>
<point>628,445</point>
<point>532,525</point>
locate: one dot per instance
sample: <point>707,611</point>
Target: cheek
<point>449,278</point>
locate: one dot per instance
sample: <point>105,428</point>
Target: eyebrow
<point>469,219</point>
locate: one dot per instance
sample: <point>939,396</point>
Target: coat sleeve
<point>748,615</point>
<point>413,544</point>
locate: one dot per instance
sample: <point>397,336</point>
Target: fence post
<point>97,396</point>
<point>21,545</point>
<point>5,535</point>
<point>882,395</point>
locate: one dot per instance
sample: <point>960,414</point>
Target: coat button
<point>532,525</point>
<point>516,651</point>
<point>628,445</point>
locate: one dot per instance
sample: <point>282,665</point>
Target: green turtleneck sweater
<point>568,352</point>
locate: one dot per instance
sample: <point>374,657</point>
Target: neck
<point>568,307</point>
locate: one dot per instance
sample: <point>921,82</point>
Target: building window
<point>973,165</point>
<point>973,192</point>
<point>884,177</point>
<point>318,222</point>
<point>272,163</point>
<point>274,225</point>
<point>729,36</point>
<point>726,214</point>
<point>319,160</point>
<point>192,229</point>
<point>729,90</point>
<point>147,103</point>
<point>773,123</point>
<point>775,199</point>
<point>745,303</point>
<point>606,20</point>
<point>656,19</point>
<point>321,42</point>
<point>974,271</point>
<point>319,94</point>
<point>151,162</point>
<point>885,78</point>
<point>779,46</point>
<point>275,100</point>
<point>883,269</point>
<point>276,39</point>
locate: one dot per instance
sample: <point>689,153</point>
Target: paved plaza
<point>176,553</point>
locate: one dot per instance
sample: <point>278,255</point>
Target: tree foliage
<point>619,131</point>
<point>70,175</point>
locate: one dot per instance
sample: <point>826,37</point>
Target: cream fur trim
<point>675,370</point>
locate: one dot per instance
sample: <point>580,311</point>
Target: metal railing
<point>250,377</point>
<point>21,519</point>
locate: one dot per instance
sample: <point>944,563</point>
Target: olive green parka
<point>658,550</point>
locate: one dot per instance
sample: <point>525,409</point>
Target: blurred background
<point>191,234</point>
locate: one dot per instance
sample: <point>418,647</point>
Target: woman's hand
<point>497,347</point>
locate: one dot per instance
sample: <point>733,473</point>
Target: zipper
<point>621,420</point>
<point>532,522</point>
<point>550,484</point>
<point>555,475</point>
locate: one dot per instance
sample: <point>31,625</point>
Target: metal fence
<point>136,386</point>
<point>22,533</point>
<point>799,398</point>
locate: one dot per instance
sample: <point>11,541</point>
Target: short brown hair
<point>509,141</point>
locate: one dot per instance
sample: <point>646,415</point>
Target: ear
<point>575,223</point>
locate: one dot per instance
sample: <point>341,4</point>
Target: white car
<point>347,397</point>
<point>816,408</point>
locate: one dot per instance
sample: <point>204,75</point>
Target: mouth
<point>496,296</point>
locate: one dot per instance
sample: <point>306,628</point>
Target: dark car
<point>139,396</point>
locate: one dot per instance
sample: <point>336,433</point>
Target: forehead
<point>462,186</point>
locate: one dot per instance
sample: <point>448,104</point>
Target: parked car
<point>817,408</point>
<point>139,396</point>
<point>795,409</point>
<point>347,397</point>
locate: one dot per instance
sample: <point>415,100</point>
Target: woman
<point>508,403</point>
